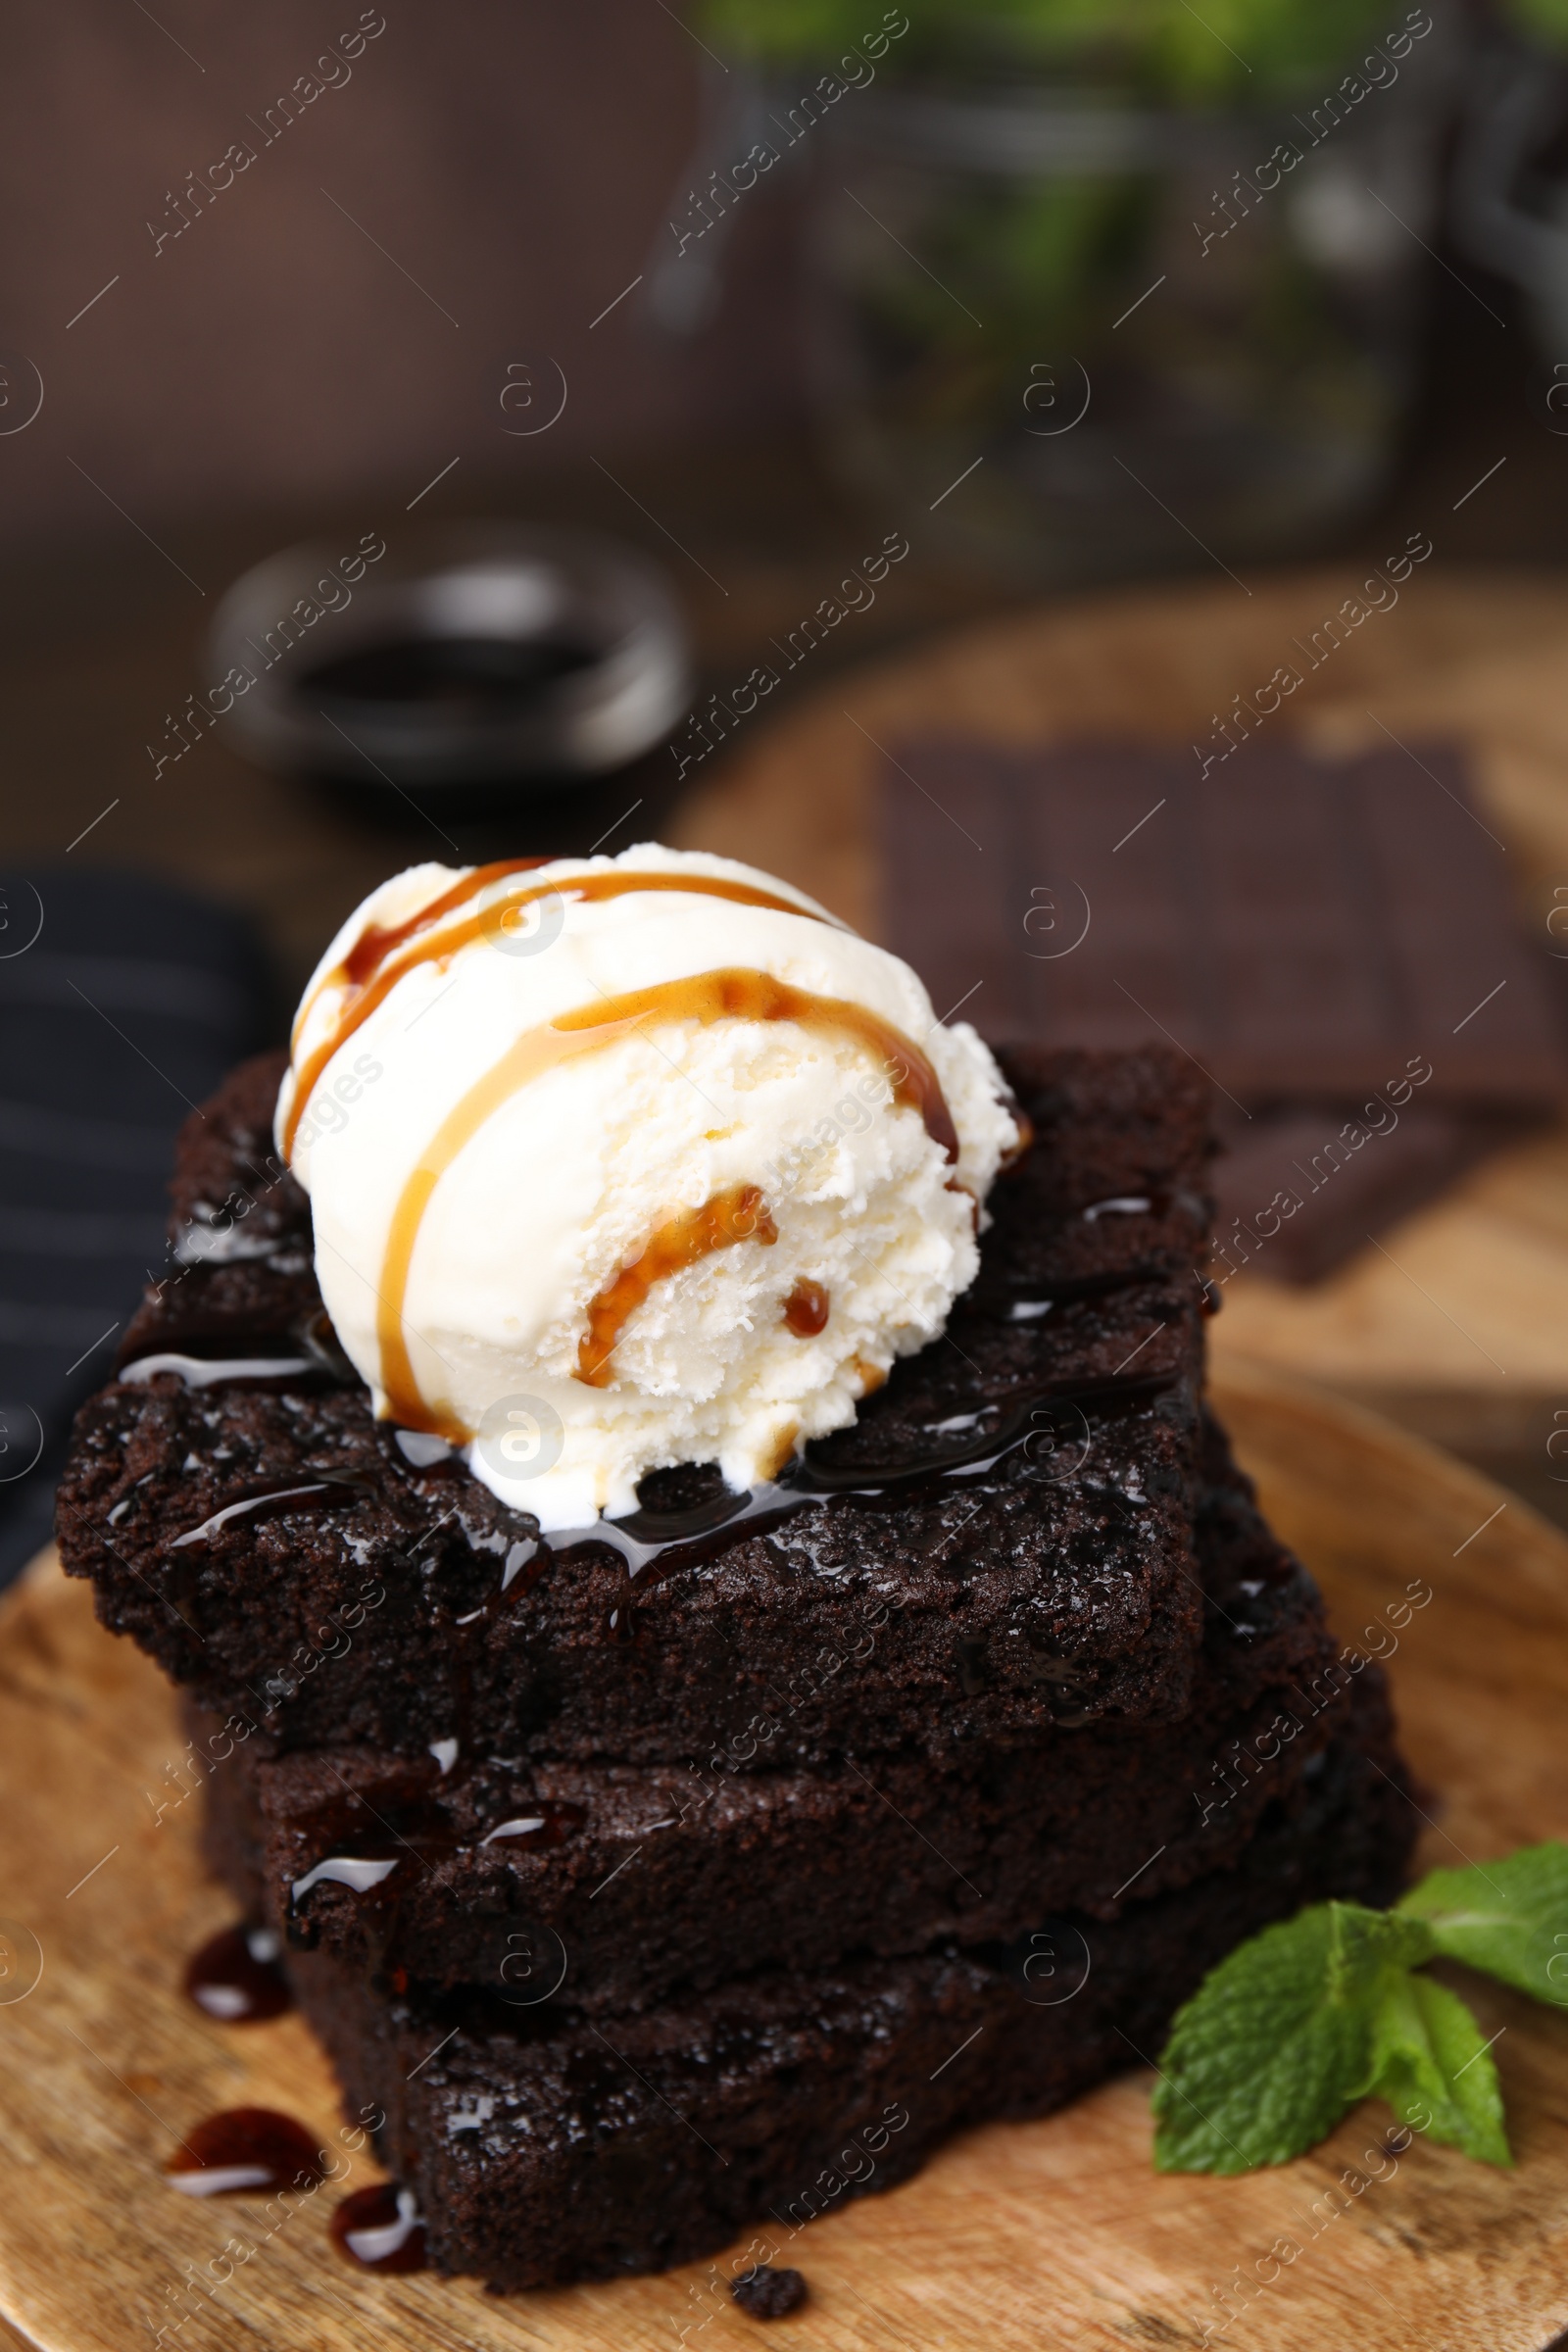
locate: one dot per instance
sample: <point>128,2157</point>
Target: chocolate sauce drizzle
<point>236,1976</point>
<point>996,1299</point>
<point>185,1347</point>
<point>422,1829</point>
<point>375,1840</point>
<point>322,1490</point>
<point>381,2229</point>
<point>245,2151</point>
<point>654,1544</point>
<point>210,1372</point>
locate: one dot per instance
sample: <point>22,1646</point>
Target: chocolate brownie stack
<point>715,1867</point>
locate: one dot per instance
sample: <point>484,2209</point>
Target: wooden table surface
<point>1022,2235</point>
<point>1460,1330</point>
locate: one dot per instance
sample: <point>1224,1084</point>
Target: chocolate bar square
<point>1297,927</point>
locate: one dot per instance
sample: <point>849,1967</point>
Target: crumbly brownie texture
<point>544,2146</point>
<point>975,1608</point>
<point>764,2293</point>
<point>241,1250</point>
<point>651,1882</point>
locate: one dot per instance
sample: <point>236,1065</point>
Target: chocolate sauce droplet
<point>236,1976</point>
<point>380,2228</point>
<point>245,2151</point>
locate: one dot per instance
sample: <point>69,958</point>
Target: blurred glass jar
<point>1082,332</point>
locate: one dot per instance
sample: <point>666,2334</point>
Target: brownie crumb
<point>766,2293</point>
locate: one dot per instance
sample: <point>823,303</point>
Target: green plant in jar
<point>1236,50</point>
<point>1544,21</point>
<point>1177,206</point>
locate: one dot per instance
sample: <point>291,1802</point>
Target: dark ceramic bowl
<point>466,664</point>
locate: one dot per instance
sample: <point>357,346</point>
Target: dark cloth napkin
<point>123,1003</point>
<point>1332,942</point>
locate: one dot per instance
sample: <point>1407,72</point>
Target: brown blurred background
<point>282,368</point>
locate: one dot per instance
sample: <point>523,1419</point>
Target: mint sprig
<point>1324,2009</point>
<point>1509,1918</point>
<point>1430,2065</point>
<point>1279,2038</point>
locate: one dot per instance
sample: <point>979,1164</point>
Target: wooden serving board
<point>1057,2233</point>
<point>1459,1328</point>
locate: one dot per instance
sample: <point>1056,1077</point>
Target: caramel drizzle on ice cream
<point>375,962</point>
<point>732,993</point>
<point>738,1213</point>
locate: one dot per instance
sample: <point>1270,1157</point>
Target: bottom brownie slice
<point>543,2145</point>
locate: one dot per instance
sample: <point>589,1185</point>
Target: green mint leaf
<point>1364,1942</point>
<point>1433,2069</point>
<point>1278,2040</point>
<point>1508,1917</point>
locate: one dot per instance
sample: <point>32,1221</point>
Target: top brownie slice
<point>1001,1542</point>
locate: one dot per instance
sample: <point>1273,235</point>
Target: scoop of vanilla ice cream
<point>549,1222</point>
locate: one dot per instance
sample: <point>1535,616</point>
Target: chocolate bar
<point>1300,928</point>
